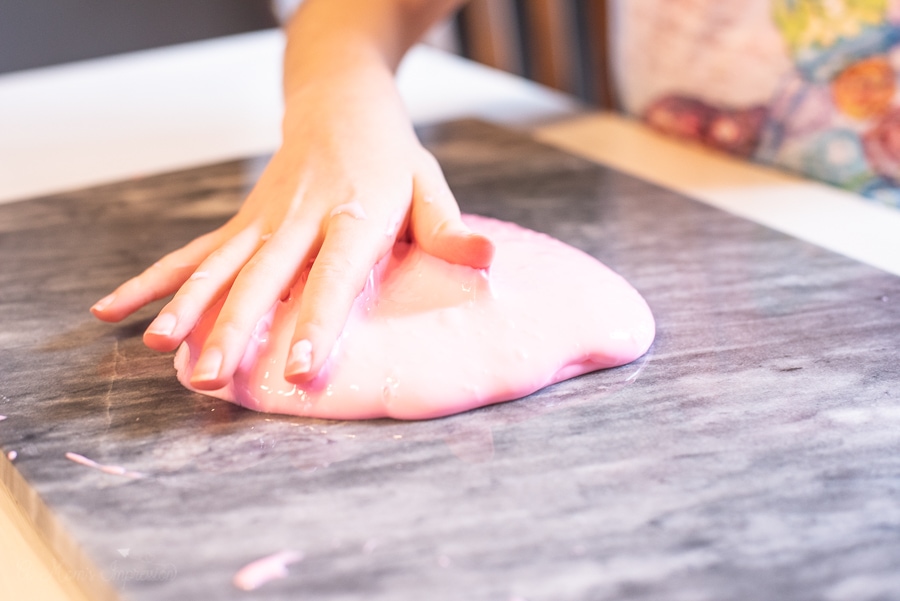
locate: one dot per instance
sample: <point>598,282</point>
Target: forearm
<point>328,37</point>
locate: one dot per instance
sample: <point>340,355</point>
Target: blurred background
<point>37,33</point>
<point>559,43</point>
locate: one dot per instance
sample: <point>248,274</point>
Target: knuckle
<point>216,256</point>
<point>331,270</point>
<point>442,227</point>
<point>429,161</point>
<point>316,323</point>
<point>264,267</point>
<point>229,329</point>
<point>143,287</point>
<point>334,283</point>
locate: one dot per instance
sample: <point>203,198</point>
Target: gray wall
<point>35,33</point>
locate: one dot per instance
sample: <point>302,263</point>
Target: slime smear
<point>263,570</point>
<point>115,470</point>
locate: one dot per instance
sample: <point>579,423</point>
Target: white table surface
<point>103,120</point>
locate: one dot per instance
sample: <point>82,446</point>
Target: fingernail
<point>103,302</point>
<point>163,325</point>
<point>300,359</point>
<point>208,366</point>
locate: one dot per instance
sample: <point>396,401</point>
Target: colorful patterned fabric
<point>807,85</point>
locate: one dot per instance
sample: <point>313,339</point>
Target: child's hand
<point>349,178</point>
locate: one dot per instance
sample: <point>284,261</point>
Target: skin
<point>346,139</point>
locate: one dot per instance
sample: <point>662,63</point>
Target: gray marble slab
<point>754,453</point>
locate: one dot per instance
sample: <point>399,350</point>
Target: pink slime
<point>427,338</point>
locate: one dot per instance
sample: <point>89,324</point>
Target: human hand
<point>349,178</point>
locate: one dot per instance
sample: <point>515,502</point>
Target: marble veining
<point>752,454</point>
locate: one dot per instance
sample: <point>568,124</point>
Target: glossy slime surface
<point>427,338</point>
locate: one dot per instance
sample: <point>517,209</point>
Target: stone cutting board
<point>754,453</point>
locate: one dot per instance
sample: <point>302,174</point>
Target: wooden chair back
<point>563,44</point>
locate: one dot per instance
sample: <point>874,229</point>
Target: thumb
<point>437,225</point>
